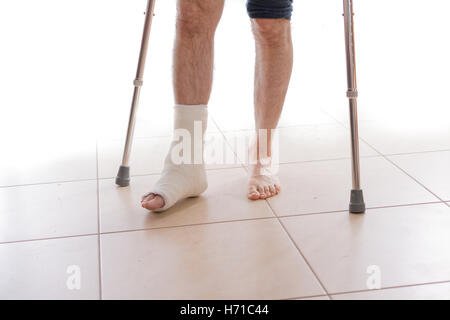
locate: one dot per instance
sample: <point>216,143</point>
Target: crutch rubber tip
<point>357,202</point>
<point>123,176</point>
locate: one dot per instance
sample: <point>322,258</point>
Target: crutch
<point>356,197</point>
<point>123,176</point>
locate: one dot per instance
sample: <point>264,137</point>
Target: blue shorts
<point>275,9</point>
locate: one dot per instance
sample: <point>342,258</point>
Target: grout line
<point>213,222</point>
<point>307,297</point>
<point>304,258</point>
<point>368,208</point>
<point>392,287</point>
<point>274,217</point>
<point>417,181</point>
<point>49,238</point>
<point>415,152</point>
<point>242,164</point>
<point>233,166</point>
<point>409,175</point>
<point>347,128</point>
<point>329,295</point>
<point>406,205</point>
<point>188,225</point>
<point>140,229</point>
<point>238,165</point>
<point>98,229</point>
<point>299,250</point>
<point>393,163</point>
<point>46,182</point>
<point>371,290</point>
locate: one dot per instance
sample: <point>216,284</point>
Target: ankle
<point>263,147</point>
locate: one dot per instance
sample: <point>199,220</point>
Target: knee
<point>197,17</point>
<point>271,32</point>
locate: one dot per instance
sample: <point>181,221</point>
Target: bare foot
<point>262,184</point>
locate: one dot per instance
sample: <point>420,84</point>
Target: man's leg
<point>196,24</point>
<point>274,59</point>
<point>197,21</point>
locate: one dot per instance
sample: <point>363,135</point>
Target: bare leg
<point>274,59</point>
<point>197,21</point>
<point>193,58</point>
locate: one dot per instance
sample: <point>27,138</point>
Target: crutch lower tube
<point>357,204</point>
<point>123,176</point>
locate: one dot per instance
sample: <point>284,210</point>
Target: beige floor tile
<point>224,200</point>
<point>406,137</point>
<point>148,154</point>
<point>48,210</point>
<point>316,298</point>
<point>43,269</point>
<point>304,143</point>
<point>398,246</point>
<point>326,141</point>
<point>237,260</point>
<point>325,186</point>
<point>431,169</point>
<point>439,291</point>
<point>47,159</point>
<point>340,112</point>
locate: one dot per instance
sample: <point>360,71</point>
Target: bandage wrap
<point>185,178</point>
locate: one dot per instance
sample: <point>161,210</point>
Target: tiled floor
<point>302,244</point>
<point>67,232</point>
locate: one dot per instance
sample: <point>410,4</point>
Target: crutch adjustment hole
<point>352,93</point>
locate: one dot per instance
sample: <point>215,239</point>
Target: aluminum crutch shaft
<point>123,176</point>
<point>356,198</point>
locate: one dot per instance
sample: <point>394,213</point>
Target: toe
<point>155,203</point>
<point>277,188</point>
<point>253,194</point>
<point>147,197</point>
<point>262,194</point>
<point>267,191</point>
<point>272,190</point>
